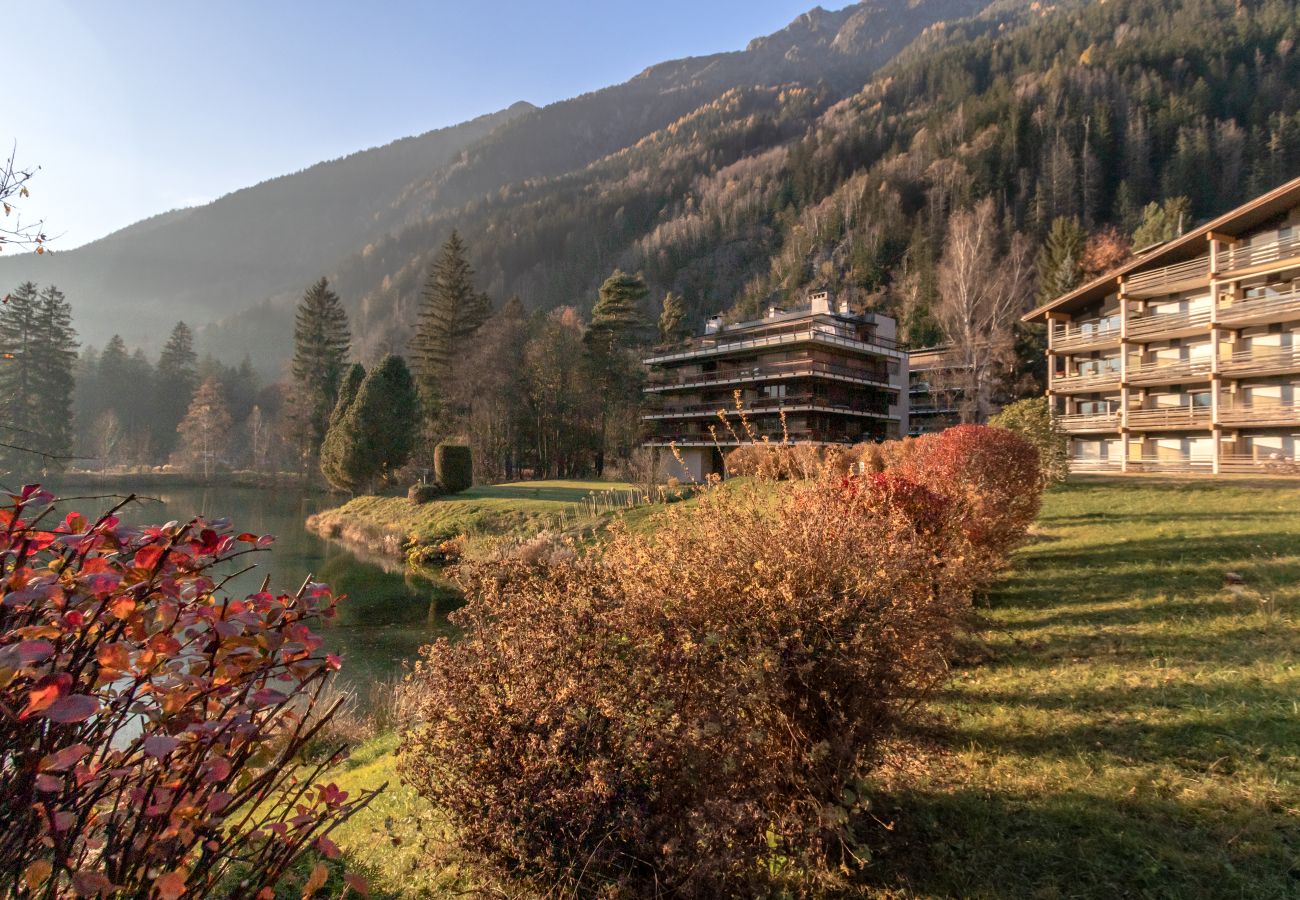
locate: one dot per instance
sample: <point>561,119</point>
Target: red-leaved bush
<point>687,712</point>
<point>151,728</point>
<point>993,477</point>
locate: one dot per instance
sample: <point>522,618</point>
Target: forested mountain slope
<point>1088,110</point>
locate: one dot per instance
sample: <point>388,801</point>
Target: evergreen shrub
<point>453,467</point>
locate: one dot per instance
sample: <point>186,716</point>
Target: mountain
<point>240,261</point>
<point>210,261</point>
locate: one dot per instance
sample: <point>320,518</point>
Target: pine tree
<point>205,430</point>
<point>1060,261</point>
<point>320,348</point>
<point>174,383</point>
<point>334,449</point>
<point>374,435</point>
<point>672,319</point>
<point>54,361</point>
<point>451,310</point>
<point>617,326</point>
<point>19,403</point>
<point>1162,222</point>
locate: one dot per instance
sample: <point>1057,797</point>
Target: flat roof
<point>1185,247</point>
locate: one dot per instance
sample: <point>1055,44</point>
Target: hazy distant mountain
<point>210,261</point>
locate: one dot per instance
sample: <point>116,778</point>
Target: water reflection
<point>388,613</point>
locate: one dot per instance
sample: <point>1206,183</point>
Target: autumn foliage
<point>151,727</point>
<point>688,712</point>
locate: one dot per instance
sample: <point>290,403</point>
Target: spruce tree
<point>672,319</point>
<point>1060,261</point>
<point>320,347</point>
<point>19,332</point>
<point>374,435</point>
<point>174,383</point>
<point>451,311</point>
<point>54,360</point>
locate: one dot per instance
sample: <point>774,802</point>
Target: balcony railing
<point>720,345</point>
<point>1168,279</point>
<point>1165,324</point>
<point>1094,465</point>
<point>1260,463</point>
<point>1249,256</point>
<point>1170,417</point>
<point>1084,422</point>
<point>1168,371</point>
<point>1167,465</point>
<point>1089,381</point>
<point>1272,361</point>
<point>1259,415</point>
<point>767,371</point>
<point>1273,306</point>
<point>726,439</point>
<point>769,406</point>
<point>1078,335</point>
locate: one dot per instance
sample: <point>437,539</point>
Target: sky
<point>135,108</point>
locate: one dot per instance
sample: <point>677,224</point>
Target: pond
<point>388,614</point>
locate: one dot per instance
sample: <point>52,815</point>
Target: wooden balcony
<point>1241,259</point>
<point>1093,335</point>
<point>1170,371</point>
<point>1258,415</point>
<point>1084,384</point>
<point>1279,306</point>
<point>1259,361</point>
<point>1169,279</point>
<point>1168,325</point>
<point>670,381</point>
<point>770,407</point>
<point>1084,423</point>
<point>1169,418</point>
<point>1170,465</point>
<point>738,342</point>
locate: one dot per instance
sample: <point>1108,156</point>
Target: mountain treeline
<point>1088,112</point>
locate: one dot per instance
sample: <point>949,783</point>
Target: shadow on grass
<point>961,842</point>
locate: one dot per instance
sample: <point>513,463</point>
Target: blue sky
<point>133,108</point>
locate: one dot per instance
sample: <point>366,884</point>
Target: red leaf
<point>170,886</point>
<point>147,557</point>
<point>46,691</point>
<point>159,745</point>
<point>74,708</point>
<point>91,884</point>
<point>62,760</point>
<point>357,883</point>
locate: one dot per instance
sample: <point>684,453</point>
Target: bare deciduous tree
<point>982,290</point>
<point>14,231</point>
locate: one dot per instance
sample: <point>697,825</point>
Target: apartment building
<point>1187,358</point>
<point>819,375</point>
<point>933,403</point>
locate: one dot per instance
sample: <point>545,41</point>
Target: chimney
<point>820,301</point>
<point>845,309</point>
<point>713,325</point>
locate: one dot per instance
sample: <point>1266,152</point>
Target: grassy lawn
<point>525,507</point>
<point>1128,726</point>
<point>1123,725</point>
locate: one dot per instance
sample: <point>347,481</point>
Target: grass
<point>1123,725</point>
<point>1129,727</point>
<point>383,524</point>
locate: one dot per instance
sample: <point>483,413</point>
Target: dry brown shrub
<point>685,712</point>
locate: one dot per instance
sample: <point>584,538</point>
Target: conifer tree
<point>205,430</point>
<point>19,331</point>
<point>374,435</point>
<point>321,341</point>
<point>334,449</point>
<point>617,326</point>
<point>54,359</point>
<point>1162,222</point>
<point>1060,261</point>
<point>451,311</point>
<point>175,380</point>
<point>672,319</point>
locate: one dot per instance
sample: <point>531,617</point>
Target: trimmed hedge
<point>453,466</point>
<point>424,491</point>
